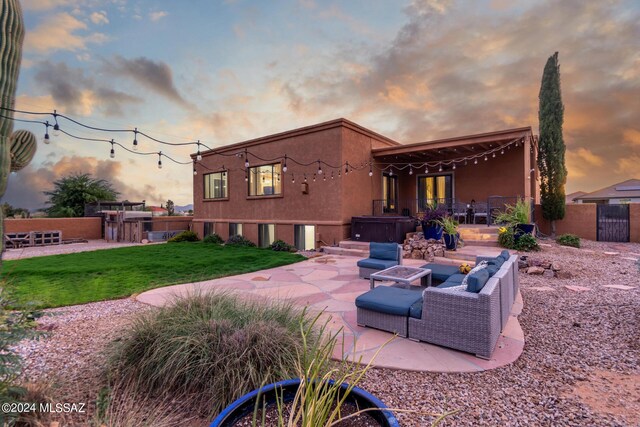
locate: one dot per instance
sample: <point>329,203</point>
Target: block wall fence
<point>581,219</point>
<point>71,228</point>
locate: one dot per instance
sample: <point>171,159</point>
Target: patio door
<point>390,193</point>
<point>435,187</point>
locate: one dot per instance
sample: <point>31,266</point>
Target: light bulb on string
<point>502,152</point>
<point>410,170</point>
<point>390,171</point>
<point>516,143</point>
<point>198,155</point>
<point>56,127</point>
<point>370,169</point>
<point>284,167</point>
<point>246,158</point>
<point>485,158</point>
<point>324,178</point>
<point>440,169</point>
<point>426,169</point>
<point>454,166</point>
<point>475,162</point>
<point>340,173</point>
<point>331,174</point>
<point>319,168</point>
<point>160,160</point>
<point>46,138</point>
<point>314,177</point>
<point>465,162</point>
<point>224,171</point>
<point>494,155</point>
<point>195,172</point>
<point>346,169</point>
<point>305,177</point>
<point>135,139</point>
<point>112,154</point>
<point>293,179</point>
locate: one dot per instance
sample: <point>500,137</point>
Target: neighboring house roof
<point>629,189</point>
<point>569,198</point>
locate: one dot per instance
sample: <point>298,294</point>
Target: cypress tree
<point>551,148</point>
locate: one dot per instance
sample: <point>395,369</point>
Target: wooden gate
<point>613,223</point>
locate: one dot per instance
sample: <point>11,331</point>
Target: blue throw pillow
<point>505,255</point>
<point>497,261</point>
<point>477,280</point>
<point>385,251</point>
<point>492,269</point>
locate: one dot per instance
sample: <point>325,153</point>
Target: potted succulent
<point>430,220</point>
<point>450,229</point>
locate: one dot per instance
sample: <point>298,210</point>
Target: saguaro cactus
<point>23,148</point>
<point>11,38</point>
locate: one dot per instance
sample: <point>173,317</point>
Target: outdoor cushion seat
<point>453,280</point>
<point>415,311</point>
<point>441,272</point>
<point>477,280</point>
<point>389,300</point>
<point>377,264</point>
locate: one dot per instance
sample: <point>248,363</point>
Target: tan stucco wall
<point>71,228</point>
<point>580,219</point>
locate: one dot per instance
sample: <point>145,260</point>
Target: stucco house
<point>305,185</point>
<point>623,192</point>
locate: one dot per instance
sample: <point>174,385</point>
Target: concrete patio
<point>331,283</point>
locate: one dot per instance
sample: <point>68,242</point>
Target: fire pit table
<point>402,275</point>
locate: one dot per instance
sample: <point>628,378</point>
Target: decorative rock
<point>556,267</point>
<point>535,270</point>
<point>577,288</point>
<point>548,273</point>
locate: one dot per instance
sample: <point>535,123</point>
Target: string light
<point>160,160</point>
<point>319,168</point>
<point>195,172</point>
<point>331,174</point>
<point>135,139</point>
<point>454,166</point>
<point>494,155</point>
<point>370,169</point>
<point>426,169</point>
<point>293,179</point>
<point>284,167</point>
<point>485,158</point>
<point>56,127</point>
<point>112,154</point>
<point>198,155</point>
<point>410,170</point>
<point>475,162</point>
<point>346,169</point>
<point>502,152</point>
<point>46,138</point>
<point>390,171</point>
<point>314,177</point>
<point>246,158</point>
<point>440,169</point>
<point>305,177</point>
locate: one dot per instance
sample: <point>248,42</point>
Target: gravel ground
<point>91,245</point>
<point>579,366</point>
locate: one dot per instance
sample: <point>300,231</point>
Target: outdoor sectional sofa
<point>470,321</point>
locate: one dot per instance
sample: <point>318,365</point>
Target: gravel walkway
<point>579,366</point>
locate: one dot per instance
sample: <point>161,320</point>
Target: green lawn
<point>60,280</point>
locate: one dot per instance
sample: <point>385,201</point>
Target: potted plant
<point>450,229</point>
<point>314,398</point>
<point>429,219</point>
<point>517,216</point>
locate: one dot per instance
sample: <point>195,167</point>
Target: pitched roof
<point>569,198</point>
<point>623,190</point>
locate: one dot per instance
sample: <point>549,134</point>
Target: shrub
<point>527,243</point>
<point>514,214</point>
<point>282,246</point>
<point>569,240</point>
<point>206,350</point>
<point>213,239</point>
<point>506,237</point>
<point>239,241</point>
<point>185,236</point>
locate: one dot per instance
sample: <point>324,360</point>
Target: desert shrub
<point>213,239</point>
<point>527,243</point>
<point>239,241</point>
<point>506,237</point>
<point>569,240</point>
<point>206,350</point>
<point>185,236</point>
<point>282,246</point>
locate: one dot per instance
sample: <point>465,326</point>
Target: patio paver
<point>331,283</point>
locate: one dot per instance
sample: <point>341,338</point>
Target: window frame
<point>238,225</point>
<point>225,174</point>
<point>295,236</point>
<point>272,235</point>
<point>254,175</point>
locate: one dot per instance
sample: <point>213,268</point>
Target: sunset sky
<point>226,71</point>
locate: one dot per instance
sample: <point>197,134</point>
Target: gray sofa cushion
<point>441,272</point>
<point>477,280</point>
<point>453,280</point>
<point>384,251</point>
<point>385,299</point>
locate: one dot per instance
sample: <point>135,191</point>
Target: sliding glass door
<point>435,187</point>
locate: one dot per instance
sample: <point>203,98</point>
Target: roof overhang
<point>451,148</point>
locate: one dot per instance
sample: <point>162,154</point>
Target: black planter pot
<point>451,241</point>
<point>287,389</point>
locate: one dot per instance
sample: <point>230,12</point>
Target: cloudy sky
<point>225,71</point>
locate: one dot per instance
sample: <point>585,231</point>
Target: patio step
<point>348,248</point>
<point>354,244</point>
<point>469,252</point>
<point>486,242</point>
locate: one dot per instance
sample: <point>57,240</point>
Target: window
<point>435,187</point>
<point>235,229</point>
<point>209,228</point>
<point>265,180</point>
<point>266,234</point>
<point>305,237</point>
<point>215,185</point>
<point>390,192</point>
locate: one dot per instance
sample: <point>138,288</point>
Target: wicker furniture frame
<point>386,322</point>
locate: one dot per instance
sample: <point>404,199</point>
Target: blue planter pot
<point>451,241</point>
<point>432,231</point>
<point>287,389</point>
<point>522,229</point>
